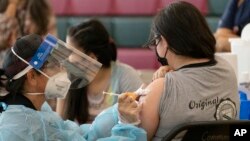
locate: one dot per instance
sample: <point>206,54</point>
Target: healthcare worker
<point>35,70</point>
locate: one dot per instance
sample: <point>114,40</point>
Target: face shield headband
<point>81,69</point>
<point>57,86</point>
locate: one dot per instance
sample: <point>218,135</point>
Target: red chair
<point>139,58</point>
<point>82,7</point>
<point>200,4</point>
<point>135,7</point>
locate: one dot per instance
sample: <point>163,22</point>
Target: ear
<point>164,42</point>
<point>31,77</point>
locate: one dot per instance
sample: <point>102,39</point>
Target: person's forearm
<point>225,33</point>
<point>11,10</point>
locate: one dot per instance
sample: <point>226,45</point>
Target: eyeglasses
<point>152,44</point>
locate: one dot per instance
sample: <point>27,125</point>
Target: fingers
<point>129,110</point>
<point>158,74</point>
<point>125,101</point>
<point>140,91</point>
<point>129,100</point>
<point>133,105</point>
<point>122,97</point>
<point>161,72</point>
<point>139,107</point>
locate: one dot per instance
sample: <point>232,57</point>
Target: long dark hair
<point>91,37</point>
<point>25,47</point>
<point>185,30</point>
<point>40,12</point>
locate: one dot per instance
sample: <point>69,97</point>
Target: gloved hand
<point>161,72</point>
<point>129,109</point>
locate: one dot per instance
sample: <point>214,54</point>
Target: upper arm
<point>150,110</point>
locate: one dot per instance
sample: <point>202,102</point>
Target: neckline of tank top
<point>211,62</point>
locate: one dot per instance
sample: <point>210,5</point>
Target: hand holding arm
<point>160,73</point>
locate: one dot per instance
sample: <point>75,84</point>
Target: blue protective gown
<point>19,123</point>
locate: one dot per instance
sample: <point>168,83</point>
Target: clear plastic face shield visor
<point>55,56</point>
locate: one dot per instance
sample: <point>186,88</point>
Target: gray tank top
<point>198,92</point>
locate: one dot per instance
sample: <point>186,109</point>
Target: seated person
<point>197,86</point>
<point>235,17</point>
<point>9,25</point>
<point>84,104</point>
<point>39,18</point>
<point>37,70</point>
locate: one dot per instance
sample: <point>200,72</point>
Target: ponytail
<point>76,105</point>
<point>113,49</point>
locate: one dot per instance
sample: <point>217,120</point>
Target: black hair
<point>40,13</point>
<point>185,30</point>
<point>76,105</point>
<point>25,47</point>
<point>91,37</point>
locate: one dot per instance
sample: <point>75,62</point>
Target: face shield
<point>55,56</point>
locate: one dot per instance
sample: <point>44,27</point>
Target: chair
<point>210,130</point>
<point>131,31</point>
<point>216,7</point>
<point>136,57</point>
<point>213,22</point>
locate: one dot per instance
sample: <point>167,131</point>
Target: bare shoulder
<point>156,84</point>
<point>150,114</point>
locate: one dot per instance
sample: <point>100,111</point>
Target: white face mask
<point>57,86</point>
